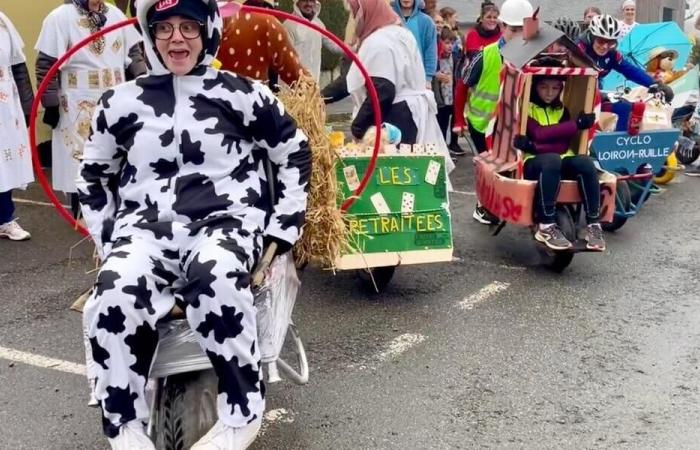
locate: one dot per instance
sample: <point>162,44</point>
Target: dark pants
<point>402,118</point>
<point>453,135</point>
<point>7,207</point>
<point>548,170</point>
<point>478,138</point>
<point>75,205</point>
<point>445,119</point>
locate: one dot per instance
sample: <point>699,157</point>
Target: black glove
<point>585,121</point>
<point>282,245</point>
<point>51,116</point>
<point>524,143</point>
<point>668,93</point>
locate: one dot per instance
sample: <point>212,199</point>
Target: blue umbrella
<point>641,41</point>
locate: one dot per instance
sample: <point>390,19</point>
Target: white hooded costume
<point>174,194</point>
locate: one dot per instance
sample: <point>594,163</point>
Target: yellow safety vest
<point>483,99</point>
<point>547,116</point>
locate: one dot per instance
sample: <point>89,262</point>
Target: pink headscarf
<point>371,15</point>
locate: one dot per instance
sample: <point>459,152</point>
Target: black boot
<point>455,149</point>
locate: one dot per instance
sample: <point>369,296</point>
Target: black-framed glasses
<point>189,29</point>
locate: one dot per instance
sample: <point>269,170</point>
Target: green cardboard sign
<point>378,224</point>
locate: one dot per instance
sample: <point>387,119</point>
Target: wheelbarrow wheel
<point>624,196</point>
<point>381,276</point>
<point>666,174</point>
<point>187,409</point>
<point>688,151</point>
<point>557,261</point>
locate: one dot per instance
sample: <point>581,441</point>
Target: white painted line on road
<point>504,266</point>
<point>399,345</point>
<point>463,192</point>
<point>459,260</point>
<point>34,202</point>
<point>395,348</point>
<point>483,294</point>
<point>41,361</point>
<point>280,415</point>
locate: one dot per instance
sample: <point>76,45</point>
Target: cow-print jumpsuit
<point>173,190</point>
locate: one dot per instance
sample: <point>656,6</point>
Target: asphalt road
<point>489,351</point>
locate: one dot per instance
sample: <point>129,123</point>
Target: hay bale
<point>326,232</point>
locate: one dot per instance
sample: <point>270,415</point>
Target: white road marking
<point>483,294</point>
<point>399,345</point>
<point>34,202</point>
<point>460,260</point>
<point>280,415</point>
<point>42,361</point>
<point>463,192</point>
<point>503,266</point>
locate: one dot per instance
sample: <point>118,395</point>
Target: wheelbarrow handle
<point>259,273</point>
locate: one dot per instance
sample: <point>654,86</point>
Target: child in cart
<point>549,158</point>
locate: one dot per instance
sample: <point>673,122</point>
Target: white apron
<point>83,78</point>
<point>392,53</point>
<point>15,155</point>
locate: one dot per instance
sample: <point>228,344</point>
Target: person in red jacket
<point>487,30</point>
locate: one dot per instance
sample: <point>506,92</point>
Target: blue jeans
<point>7,207</point>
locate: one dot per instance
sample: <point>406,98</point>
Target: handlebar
<point>620,96</point>
<point>263,265</point>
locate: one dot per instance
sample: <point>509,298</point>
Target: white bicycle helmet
<point>605,26</point>
<point>514,12</point>
<point>567,26</point>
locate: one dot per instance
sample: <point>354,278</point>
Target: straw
<point>325,233</point>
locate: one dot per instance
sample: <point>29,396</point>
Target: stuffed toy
<point>660,65</point>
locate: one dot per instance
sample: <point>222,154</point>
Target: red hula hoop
<point>46,186</point>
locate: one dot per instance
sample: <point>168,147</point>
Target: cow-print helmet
<point>211,35</point>
<point>567,26</point>
<point>605,26</point>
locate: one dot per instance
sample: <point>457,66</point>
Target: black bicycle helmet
<point>567,26</point>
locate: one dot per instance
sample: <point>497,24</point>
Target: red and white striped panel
<point>561,71</point>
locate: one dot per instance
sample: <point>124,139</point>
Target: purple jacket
<point>555,137</point>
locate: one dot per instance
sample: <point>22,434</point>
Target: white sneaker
<point>132,436</point>
<point>92,401</point>
<point>13,232</point>
<point>224,437</point>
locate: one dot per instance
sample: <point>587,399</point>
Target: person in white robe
<point>16,98</point>
<point>72,96</point>
<point>390,54</point>
<point>307,42</point>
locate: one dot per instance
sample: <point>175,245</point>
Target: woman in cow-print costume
<point>174,195</point>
